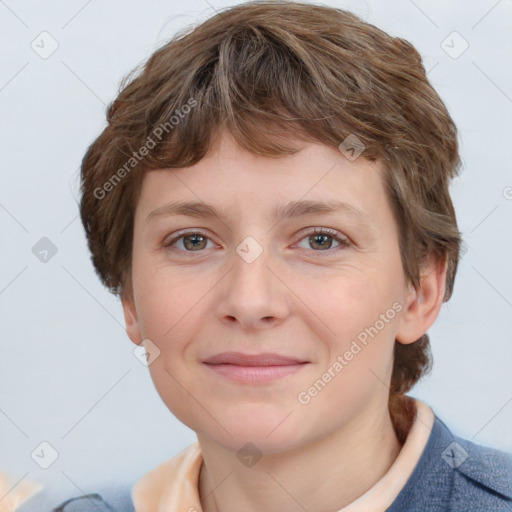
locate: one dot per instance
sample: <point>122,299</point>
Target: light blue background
<point>67,372</point>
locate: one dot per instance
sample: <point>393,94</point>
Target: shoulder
<point>118,496</point>
<point>102,498</point>
<point>488,467</point>
<point>455,474</point>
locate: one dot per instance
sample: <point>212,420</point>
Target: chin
<point>258,441</point>
<point>267,432</point>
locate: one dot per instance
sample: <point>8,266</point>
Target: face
<point>273,322</point>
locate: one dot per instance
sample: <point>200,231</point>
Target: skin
<point>298,298</point>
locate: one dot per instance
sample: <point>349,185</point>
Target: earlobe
<point>131,319</point>
<point>423,303</point>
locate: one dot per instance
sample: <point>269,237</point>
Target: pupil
<point>321,237</point>
<point>195,240</point>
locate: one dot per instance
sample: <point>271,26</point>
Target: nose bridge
<point>250,275</point>
<point>252,291</point>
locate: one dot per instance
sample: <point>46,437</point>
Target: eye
<point>319,238</point>
<point>191,241</point>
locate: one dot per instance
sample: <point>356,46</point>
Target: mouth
<point>254,368</point>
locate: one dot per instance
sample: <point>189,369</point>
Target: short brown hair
<point>266,68</point>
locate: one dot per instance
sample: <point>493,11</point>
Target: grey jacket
<point>453,474</point>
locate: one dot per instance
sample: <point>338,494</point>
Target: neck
<point>306,478</point>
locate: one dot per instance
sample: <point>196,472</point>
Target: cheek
<point>162,300</point>
<point>353,302</point>
<point>362,315</point>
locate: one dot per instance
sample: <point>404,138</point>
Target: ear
<point>423,303</point>
<point>131,319</point>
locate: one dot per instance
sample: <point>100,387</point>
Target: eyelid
<point>320,230</point>
<point>343,240</point>
<point>172,239</point>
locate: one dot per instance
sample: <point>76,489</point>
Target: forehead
<point>231,182</point>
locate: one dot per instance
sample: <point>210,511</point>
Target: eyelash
<point>344,242</point>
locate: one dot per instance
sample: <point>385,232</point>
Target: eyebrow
<point>293,209</point>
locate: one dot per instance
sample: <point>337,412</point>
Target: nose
<point>253,294</point>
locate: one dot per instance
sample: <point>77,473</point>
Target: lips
<point>254,369</point>
<point>239,359</point>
